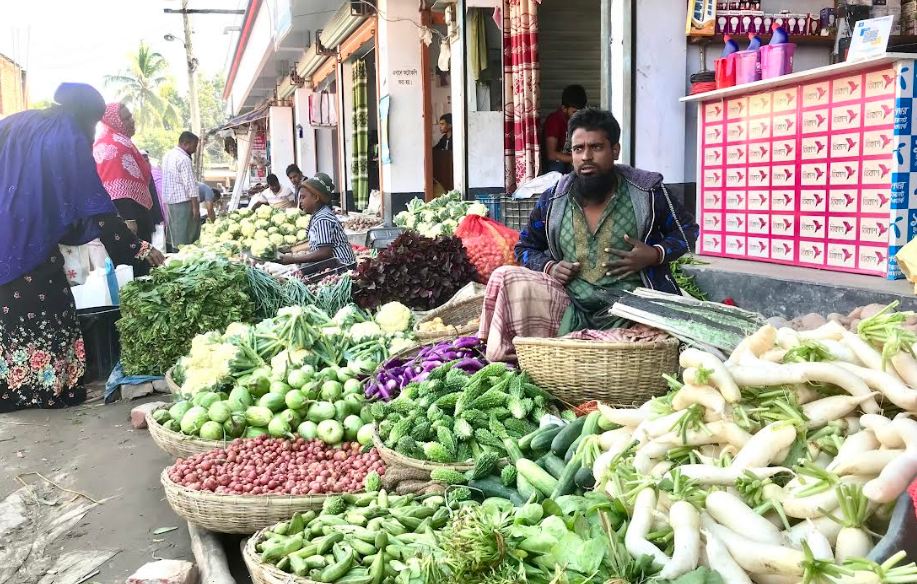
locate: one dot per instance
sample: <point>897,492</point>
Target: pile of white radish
<point>779,465</point>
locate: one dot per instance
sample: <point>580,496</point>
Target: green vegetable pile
<point>440,216</point>
<point>356,537</point>
<point>161,314</point>
<point>325,405</point>
<point>453,417</point>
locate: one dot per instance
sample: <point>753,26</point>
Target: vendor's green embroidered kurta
<point>592,292</point>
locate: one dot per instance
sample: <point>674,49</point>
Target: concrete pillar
<point>303,132</point>
<point>460,107</point>
<point>401,78</point>
<point>280,120</point>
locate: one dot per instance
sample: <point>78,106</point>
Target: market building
<point>14,96</point>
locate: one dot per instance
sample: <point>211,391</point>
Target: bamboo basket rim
<point>425,465</point>
<point>580,343</point>
<point>455,330</point>
<point>269,508</point>
<point>170,382</point>
<point>263,572</point>
<point>164,437</point>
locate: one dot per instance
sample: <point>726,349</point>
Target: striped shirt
<point>325,230</point>
<point>178,183</point>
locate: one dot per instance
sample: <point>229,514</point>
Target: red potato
<point>275,466</point>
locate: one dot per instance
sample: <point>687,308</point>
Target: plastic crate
<point>100,337</point>
<point>516,212</point>
<point>492,202</point>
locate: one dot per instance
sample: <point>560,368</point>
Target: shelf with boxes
<point>815,169</point>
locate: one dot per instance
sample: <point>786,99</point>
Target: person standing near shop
<point>557,157</point>
<point>123,170</point>
<point>329,247</point>
<point>180,191</point>
<point>207,197</point>
<point>272,194</point>
<point>445,128</point>
<point>51,194</point>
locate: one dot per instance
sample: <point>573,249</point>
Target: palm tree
<point>139,86</point>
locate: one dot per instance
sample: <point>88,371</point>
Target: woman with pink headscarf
<point>123,170</point>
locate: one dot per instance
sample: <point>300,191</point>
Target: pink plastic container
<point>725,71</point>
<point>776,60</point>
<point>748,67</point>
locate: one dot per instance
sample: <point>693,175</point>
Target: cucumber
<point>543,440</point>
<point>552,464</point>
<point>565,484</point>
<point>562,441</point>
<point>525,489</point>
<point>537,476</point>
<point>492,487</point>
<point>526,440</point>
<point>572,450</point>
<point>584,478</point>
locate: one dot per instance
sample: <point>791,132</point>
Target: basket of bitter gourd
<point>459,421</point>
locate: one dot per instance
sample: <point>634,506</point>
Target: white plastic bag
<point>76,263</point>
<point>159,238</point>
<point>537,185</point>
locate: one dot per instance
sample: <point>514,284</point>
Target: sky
<point>84,40</point>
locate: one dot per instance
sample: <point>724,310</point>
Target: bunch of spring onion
<point>779,463</point>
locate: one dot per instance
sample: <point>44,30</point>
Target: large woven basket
<point>234,513</point>
<point>394,459</point>
<point>264,573</point>
<point>170,382</point>
<point>456,316</point>
<point>177,444</point>
<point>618,374</point>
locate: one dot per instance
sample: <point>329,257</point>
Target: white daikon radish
<point>639,527</point>
<point>647,455</point>
<point>709,474</point>
<point>704,395</point>
<point>840,352</point>
<point>787,338</point>
<point>893,480</point>
<point>830,330</point>
<point>661,468</point>
<point>867,463</point>
<point>755,345</point>
<point>888,385</point>
<point>829,409</point>
<point>717,432</point>
<point>719,560</point>
<point>754,556</point>
<point>730,511</point>
<point>855,444</point>
<point>763,447</point>
<point>773,579</point>
<point>825,525</point>
<point>906,367</point>
<point>719,376</point>
<point>685,522</point>
<point>805,394</point>
<point>774,355</point>
<point>628,417</point>
<point>793,373</point>
<point>654,427</point>
<point>812,506</point>
<point>611,438</point>
<point>816,540</point>
<point>871,358</point>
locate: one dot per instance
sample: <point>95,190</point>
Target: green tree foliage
<point>139,87</point>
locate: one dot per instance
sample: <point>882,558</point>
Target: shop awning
<point>247,118</point>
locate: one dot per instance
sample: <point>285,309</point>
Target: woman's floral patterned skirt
<point>42,355</point>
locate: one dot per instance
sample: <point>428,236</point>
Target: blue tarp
<point>118,378</point>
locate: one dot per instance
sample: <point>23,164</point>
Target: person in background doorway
<point>180,191</point>
<point>51,194</point>
<point>557,157</point>
<point>328,244</point>
<point>124,173</point>
<point>445,128</point>
<point>272,194</point>
<point>207,196</point>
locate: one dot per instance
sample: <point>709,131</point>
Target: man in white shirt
<point>180,191</point>
<point>273,194</point>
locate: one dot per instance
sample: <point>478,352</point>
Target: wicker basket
<point>234,513</point>
<point>393,460</point>
<point>177,444</point>
<point>264,573</point>
<point>618,374</point>
<point>455,316</point>
<point>170,382</point>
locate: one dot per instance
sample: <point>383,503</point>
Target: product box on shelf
<point>821,174</point>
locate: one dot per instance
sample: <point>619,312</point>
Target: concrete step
<point>788,291</point>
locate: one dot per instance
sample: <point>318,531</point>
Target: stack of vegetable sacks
<point>777,462</point>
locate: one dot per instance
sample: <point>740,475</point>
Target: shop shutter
<point>570,49</point>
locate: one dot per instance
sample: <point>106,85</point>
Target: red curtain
<point>521,134</point>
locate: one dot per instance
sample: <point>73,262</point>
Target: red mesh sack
<point>489,244</point>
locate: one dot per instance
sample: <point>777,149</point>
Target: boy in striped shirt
<point>328,244</point>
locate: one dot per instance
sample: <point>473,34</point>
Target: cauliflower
<point>289,359</point>
<point>394,317</point>
<point>347,315</point>
<point>302,235</point>
<point>398,344</point>
<point>362,331</point>
<point>276,239</point>
<point>263,249</point>
<point>303,222</point>
<point>477,209</point>
<point>237,329</point>
<point>264,212</point>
